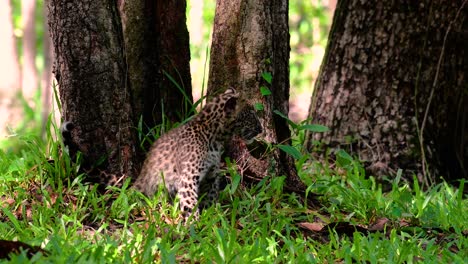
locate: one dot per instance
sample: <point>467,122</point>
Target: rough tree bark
<point>175,58</point>
<point>91,73</point>
<point>251,38</point>
<point>393,86</point>
<point>113,63</point>
<point>157,46</point>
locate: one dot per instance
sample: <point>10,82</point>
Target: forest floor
<point>352,219</point>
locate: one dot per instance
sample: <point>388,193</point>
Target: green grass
<point>44,202</point>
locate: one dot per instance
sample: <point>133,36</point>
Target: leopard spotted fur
<point>186,159</point>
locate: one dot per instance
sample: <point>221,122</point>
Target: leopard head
<point>247,124</point>
<point>218,111</point>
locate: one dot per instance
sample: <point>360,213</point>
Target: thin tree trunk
<point>91,73</point>
<point>46,79</point>
<point>332,7</point>
<point>196,22</point>
<point>9,68</point>
<point>29,72</point>
<point>392,88</point>
<point>250,39</point>
<point>9,65</point>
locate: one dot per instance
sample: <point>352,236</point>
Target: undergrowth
<point>45,203</point>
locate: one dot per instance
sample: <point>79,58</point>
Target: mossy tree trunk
<point>393,87</point>
<point>250,43</point>
<point>110,63</point>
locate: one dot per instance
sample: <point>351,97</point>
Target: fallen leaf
<point>316,227</point>
<point>379,225</point>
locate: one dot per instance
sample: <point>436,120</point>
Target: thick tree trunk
<point>393,86</point>
<point>117,73</point>
<point>157,46</point>
<point>251,38</point>
<point>29,72</point>
<point>91,73</point>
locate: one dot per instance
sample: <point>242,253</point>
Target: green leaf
<point>12,219</point>
<point>290,122</point>
<point>259,106</point>
<point>343,159</point>
<point>343,154</point>
<point>292,151</point>
<point>314,128</point>
<point>265,91</point>
<point>280,114</point>
<point>267,77</point>
<point>396,212</point>
<point>235,183</point>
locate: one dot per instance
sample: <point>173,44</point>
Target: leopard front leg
<point>188,197</point>
<point>210,188</point>
<point>213,194</point>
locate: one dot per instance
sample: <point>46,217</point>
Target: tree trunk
<point>176,85</point>
<point>117,73</point>
<point>157,46</point>
<point>9,68</point>
<point>91,73</point>
<point>9,65</point>
<point>29,72</point>
<point>250,39</point>
<point>392,87</point>
<point>46,78</point>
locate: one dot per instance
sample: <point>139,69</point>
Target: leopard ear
<point>230,106</point>
<point>230,91</point>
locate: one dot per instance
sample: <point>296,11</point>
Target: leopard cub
<point>186,159</point>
